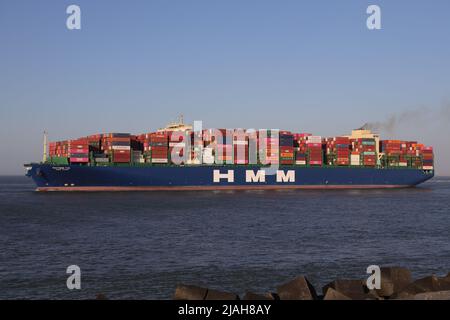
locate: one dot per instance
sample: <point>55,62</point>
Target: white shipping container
<point>121,147</point>
<point>301,162</point>
<point>77,146</point>
<point>156,160</point>
<point>208,160</point>
<point>177,144</point>
<point>207,151</point>
<point>193,161</point>
<point>240,142</point>
<point>314,139</point>
<point>427,167</point>
<point>355,160</point>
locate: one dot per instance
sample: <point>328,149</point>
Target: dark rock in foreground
<point>188,292</point>
<point>353,289</point>
<point>335,295</point>
<point>100,296</point>
<point>298,289</point>
<point>185,292</point>
<point>436,295</point>
<point>424,285</point>
<point>393,279</point>
<point>219,295</point>
<point>255,296</point>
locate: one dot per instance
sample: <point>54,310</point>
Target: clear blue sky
<point>301,65</point>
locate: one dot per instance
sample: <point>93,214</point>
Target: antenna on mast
<point>44,155</point>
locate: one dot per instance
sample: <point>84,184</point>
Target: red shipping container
<point>78,150</point>
<point>342,140</point>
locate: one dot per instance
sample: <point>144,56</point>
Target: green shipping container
<point>59,160</point>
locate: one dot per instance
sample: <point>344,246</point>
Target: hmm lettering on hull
<point>252,176</point>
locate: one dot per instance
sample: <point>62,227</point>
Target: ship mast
<point>44,154</point>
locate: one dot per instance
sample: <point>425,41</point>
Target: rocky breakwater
<point>396,283</point>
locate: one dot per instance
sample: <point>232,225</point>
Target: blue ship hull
<point>126,178</point>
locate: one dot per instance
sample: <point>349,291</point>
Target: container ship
<point>178,157</point>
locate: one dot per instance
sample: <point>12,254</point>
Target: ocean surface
<point>141,245</point>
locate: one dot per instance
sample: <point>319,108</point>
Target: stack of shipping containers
<point>178,143</point>
<point>286,148</point>
<point>392,152</point>
<point>79,151</point>
<point>337,151</point>
<point>208,147</point>
<point>369,156</point>
<point>412,156</point>
<point>240,146</point>
<point>95,153</point>
<point>137,147</point>
<point>196,140</point>
<point>300,148</point>
<point>117,146</point>
<point>342,151</point>
<point>268,147</point>
<point>427,158</point>
<point>314,150</point>
<point>407,153</point>
<point>58,152</point>
<point>159,147</point>
<point>224,147</point>
<point>363,152</point>
<point>146,146</point>
<point>233,147</point>
<point>403,158</point>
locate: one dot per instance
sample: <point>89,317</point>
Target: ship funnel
<point>365,126</point>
